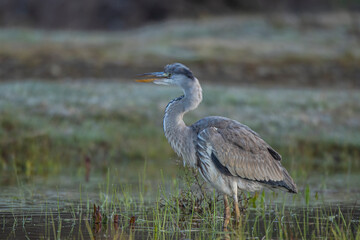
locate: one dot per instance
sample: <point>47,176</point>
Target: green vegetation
<point>68,145</point>
<point>49,128</point>
<point>317,49</point>
<point>53,135</point>
<point>173,209</point>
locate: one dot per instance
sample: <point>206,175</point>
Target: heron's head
<point>174,74</point>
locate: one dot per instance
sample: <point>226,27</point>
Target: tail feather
<point>289,182</point>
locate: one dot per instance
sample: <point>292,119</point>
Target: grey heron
<point>229,155</point>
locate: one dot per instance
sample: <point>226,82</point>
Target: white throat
<point>177,133</point>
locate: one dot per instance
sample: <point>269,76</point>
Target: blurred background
<point>301,43</point>
<point>75,129</point>
<point>288,69</point>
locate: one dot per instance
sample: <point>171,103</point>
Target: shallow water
<point>64,210</point>
<point>66,224</point>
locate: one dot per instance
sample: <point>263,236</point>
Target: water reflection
<point>67,211</point>
<point>300,222</point>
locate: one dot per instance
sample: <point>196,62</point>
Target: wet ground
<point>304,222</point>
<point>65,146</point>
<point>64,210</point>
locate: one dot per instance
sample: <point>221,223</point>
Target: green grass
<point>285,49</point>
<point>174,209</point>
<point>229,39</point>
<point>45,128</point>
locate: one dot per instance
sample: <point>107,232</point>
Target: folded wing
<point>238,151</point>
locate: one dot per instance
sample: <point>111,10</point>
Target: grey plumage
<point>240,152</point>
<point>228,154</point>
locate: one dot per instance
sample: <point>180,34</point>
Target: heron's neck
<point>176,131</point>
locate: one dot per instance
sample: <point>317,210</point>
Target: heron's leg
<point>236,208</point>
<point>226,213</point>
<point>236,201</point>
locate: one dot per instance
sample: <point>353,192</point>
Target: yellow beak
<point>150,77</point>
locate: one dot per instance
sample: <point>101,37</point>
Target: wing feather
<point>243,153</point>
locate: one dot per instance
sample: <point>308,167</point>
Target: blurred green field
<point>49,128</point>
<point>320,49</point>
<point>75,130</point>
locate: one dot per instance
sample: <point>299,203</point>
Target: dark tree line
<point>122,14</point>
